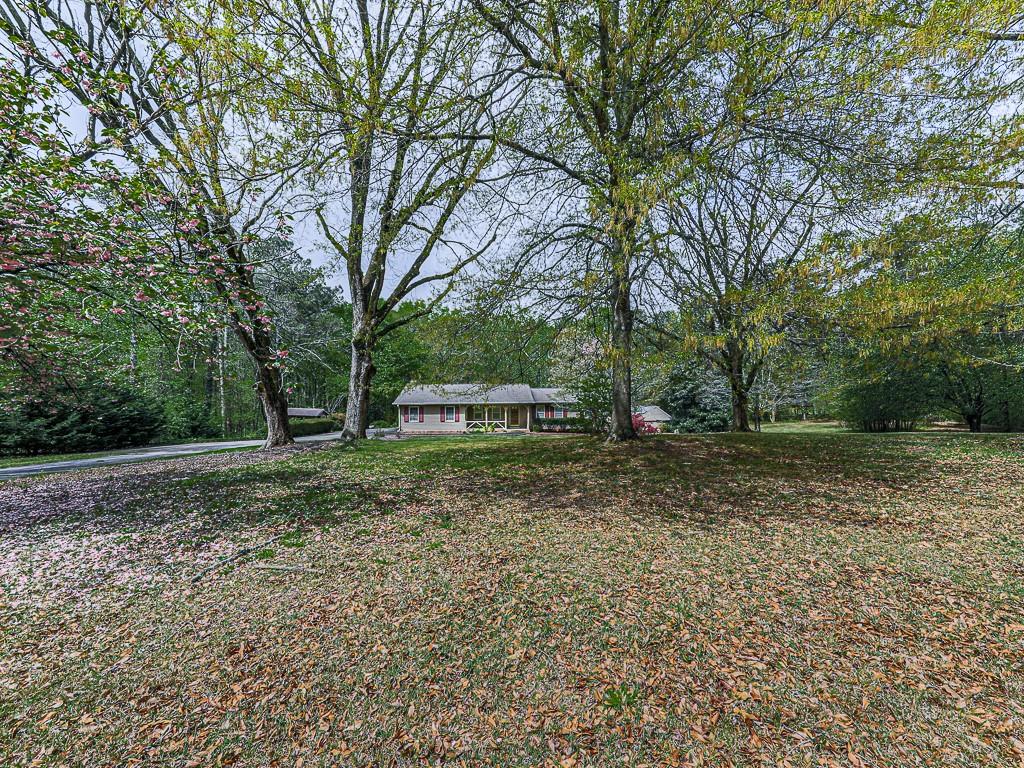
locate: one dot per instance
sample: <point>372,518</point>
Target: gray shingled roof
<point>552,395</point>
<point>652,413</point>
<point>461,394</point>
<point>306,413</point>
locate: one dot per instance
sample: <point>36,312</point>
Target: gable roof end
<point>652,413</point>
<point>298,413</point>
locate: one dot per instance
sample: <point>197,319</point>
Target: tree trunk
<point>357,409</point>
<point>222,351</point>
<point>739,389</point>
<point>740,409</point>
<point>133,354</point>
<point>973,422</point>
<point>270,387</point>
<point>210,379</point>
<point>622,352</point>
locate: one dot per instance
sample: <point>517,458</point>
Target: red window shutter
<point>442,412</point>
<point>457,409</point>
<point>422,409</point>
<point>405,413</point>
<point>549,411</point>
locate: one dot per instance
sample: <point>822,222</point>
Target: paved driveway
<point>132,455</point>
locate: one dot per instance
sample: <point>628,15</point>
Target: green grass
<point>804,596</point>
<point>803,427</point>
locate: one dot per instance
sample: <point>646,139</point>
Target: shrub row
<point>304,427</point>
<point>570,424</point>
<point>89,418</point>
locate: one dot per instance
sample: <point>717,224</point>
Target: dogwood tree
<point>151,93</point>
<point>80,239</point>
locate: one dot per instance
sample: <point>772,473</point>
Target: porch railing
<point>482,423</point>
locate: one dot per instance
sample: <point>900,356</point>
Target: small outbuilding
<point>306,413</point>
<point>653,414</point>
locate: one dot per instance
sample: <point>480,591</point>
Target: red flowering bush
<point>642,427</point>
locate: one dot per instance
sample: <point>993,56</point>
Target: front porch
<point>497,418</point>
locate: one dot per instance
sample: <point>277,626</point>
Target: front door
<point>513,416</point>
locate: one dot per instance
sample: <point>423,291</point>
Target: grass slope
<point>778,599</point>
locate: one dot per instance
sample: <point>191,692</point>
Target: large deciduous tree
<point>742,263</point>
<point>641,105</point>
<point>828,121</point>
<point>388,99</point>
<point>598,85</point>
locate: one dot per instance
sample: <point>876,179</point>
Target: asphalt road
<point>133,455</point>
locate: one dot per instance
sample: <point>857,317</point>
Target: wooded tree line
<point>133,384</point>
<point>737,184</point>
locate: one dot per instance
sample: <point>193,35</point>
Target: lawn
<point>807,598</point>
<point>802,426</point>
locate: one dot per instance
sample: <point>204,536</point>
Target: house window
<point>414,413</point>
<point>475,413</point>
<point>449,413</point>
<point>559,412</point>
<point>540,411</point>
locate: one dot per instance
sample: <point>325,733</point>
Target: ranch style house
<point>466,407</point>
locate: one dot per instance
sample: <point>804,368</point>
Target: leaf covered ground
<point>785,599</point>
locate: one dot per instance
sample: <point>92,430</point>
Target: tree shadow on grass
<point>700,479</point>
<point>209,496</point>
<point>706,480</point>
